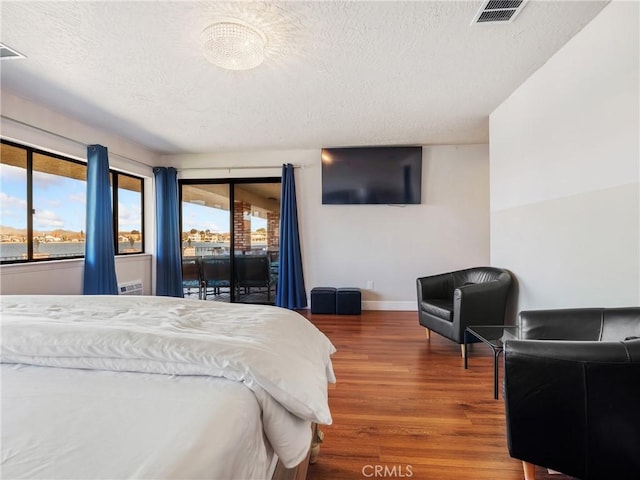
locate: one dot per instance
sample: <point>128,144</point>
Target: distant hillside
<point>12,231</point>
<point>4,230</point>
<point>62,233</point>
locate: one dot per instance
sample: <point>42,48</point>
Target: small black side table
<point>494,336</point>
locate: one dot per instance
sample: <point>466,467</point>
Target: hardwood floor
<point>404,407</point>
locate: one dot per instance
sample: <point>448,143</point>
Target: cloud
<point>10,173</point>
<point>13,208</point>
<point>129,217</point>
<point>43,181</point>
<point>9,201</point>
<point>46,219</point>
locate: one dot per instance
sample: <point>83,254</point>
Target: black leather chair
<point>573,400</point>
<point>449,302</point>
<point>600,324</point>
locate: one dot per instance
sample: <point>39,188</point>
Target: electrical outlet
<point>369,284</point>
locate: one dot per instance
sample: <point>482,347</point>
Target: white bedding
<point>282,359</point>
<point>81,424</point>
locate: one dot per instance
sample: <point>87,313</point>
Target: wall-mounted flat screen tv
<point>371,175</point>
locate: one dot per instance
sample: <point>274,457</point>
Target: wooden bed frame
<point>299,472</point>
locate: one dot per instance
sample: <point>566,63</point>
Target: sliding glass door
<point>230,239</point>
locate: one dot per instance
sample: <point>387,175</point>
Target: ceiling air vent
<point>7,53</point>
<point>498,11</point>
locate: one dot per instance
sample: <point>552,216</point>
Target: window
<point>59,188</point>
<point>43,206</point>
<point>128,213</point>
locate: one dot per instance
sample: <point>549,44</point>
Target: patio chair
<point>253,271</point>
<point>191,277</point>
<point>216,274</point>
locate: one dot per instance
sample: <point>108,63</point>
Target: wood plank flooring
<point>404,407</point>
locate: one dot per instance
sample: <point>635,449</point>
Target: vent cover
<point>7,53</point>
<point>498,11</point>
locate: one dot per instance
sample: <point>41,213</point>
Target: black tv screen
<point>371,175</point>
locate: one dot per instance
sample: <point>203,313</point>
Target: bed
<point>158,388</point>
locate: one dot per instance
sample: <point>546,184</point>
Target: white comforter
<point>73,424</point>
<point>275,352</point>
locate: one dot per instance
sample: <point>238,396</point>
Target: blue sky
<point>206,218</point>
<point>59,202</point>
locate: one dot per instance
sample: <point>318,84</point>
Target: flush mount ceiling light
<point>233,45</point>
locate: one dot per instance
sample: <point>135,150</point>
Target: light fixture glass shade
<point>233,45</point>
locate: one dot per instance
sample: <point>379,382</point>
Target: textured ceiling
<point>336,74</point>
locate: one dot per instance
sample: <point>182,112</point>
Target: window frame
<point>114,174</point>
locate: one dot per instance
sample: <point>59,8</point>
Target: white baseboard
<point>381,305</point>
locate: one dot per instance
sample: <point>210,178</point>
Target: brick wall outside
<point>241,226</point>
<point>273,230</point>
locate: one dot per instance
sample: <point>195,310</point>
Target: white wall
<point>28,123</point>
<point>348,245</point>
<point>565,168</point>
<point>64,277</point>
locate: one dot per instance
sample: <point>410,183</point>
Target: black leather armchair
<point>572,403</point>
<point>449,302</point>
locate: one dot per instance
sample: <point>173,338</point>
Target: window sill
<point>64,264</point>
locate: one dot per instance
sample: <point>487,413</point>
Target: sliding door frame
<point>231,182</point>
